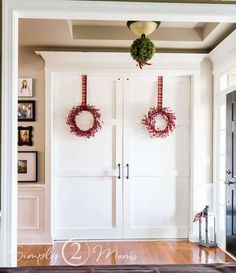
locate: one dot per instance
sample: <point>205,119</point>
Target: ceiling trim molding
<point>112,49</point>
<point>80,32</point>
<point>223,56</point>
<point>73,60</point>
<point>107,10</point>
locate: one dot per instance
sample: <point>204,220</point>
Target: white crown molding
<point>109,10</point>
<point>94,60</point>
<point>223,56</point>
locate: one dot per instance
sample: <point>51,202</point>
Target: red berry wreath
<point>149,120</point>
<point>71,121</point>
<point>77,110</point>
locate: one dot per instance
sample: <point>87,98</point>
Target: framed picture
<point>25,87</point>
<point>25,136</point>
<point>27,166</point>
<point>26,110</point>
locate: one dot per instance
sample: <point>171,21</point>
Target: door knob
<point>228,171</point>
<point>227,182</point>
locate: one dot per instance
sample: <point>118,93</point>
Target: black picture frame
<point>22,175</point>
<point>27,131</point>
<point>27,114</point>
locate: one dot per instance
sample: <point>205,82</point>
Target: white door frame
<point>66,9</point>
<point>223,64</point>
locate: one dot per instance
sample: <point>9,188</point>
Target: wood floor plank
<point>116,252</point>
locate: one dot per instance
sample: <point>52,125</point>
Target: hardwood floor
<point>132,252</point>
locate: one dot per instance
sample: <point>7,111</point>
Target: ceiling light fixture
<point>143,27</point>
<point>142,49</point>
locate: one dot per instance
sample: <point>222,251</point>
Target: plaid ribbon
<point>160,92</point>
<point>199,216</point>
<point>84,89</point>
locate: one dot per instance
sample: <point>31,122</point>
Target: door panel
<point>157,190</point>
<point>231,174</point>
<point>87,194</point>
<point>149,201</point>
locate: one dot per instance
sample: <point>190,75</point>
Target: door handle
<point>227,182</point>
<point>127,174</point>
<point>228,171</point>
<point>119,171</point>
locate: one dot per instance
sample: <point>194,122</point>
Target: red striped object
<point>76,110</point>
<point>149,120</point>
<point>160,92</point>
<point>84,89</point>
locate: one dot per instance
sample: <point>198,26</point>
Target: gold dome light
<point>143,27</point>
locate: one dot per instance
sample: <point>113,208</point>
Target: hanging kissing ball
<point>142,50</point>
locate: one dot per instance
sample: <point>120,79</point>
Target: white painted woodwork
<point>120,65</point>
<point>62,70</point>
<point>88,194</point>
<point>90,202</point>
<point>31,214</point>
<point>1,254</point>
<point>12,10</point>
<point>159,184</point>
<point>223,64</point>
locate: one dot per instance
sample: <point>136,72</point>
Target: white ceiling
<point>116,36</point>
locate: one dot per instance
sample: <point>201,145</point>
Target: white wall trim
<point>49,196</point>
<point>92,10</point>
<point>65,9</point>
<point>27,187</point>
<point>111,173</point>
<point>9,135</point>
<point>113,62</point>
<point>221,56</point>
<point>36,226</point>
<point>34,240</point>
<point>231,256</point>
<point>41,239</point>
<point>35,231</point>
<point>194,152</point>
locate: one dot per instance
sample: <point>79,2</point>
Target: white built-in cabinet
<point>163,182</point>
<point>149,199</point>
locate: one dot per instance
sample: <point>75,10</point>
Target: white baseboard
<point>230,255</point>
<point>30,240</point>
<point>193,235</point>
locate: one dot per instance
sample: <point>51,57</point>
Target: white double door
<point>121,183</point>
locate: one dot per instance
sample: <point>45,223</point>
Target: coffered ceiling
<point>116,36</point>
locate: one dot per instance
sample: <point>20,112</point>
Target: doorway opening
<point>10,76</point>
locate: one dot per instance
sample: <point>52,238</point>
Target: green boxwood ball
<point>142,49</point>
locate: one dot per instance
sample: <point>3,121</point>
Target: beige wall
<point>32,66</point>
